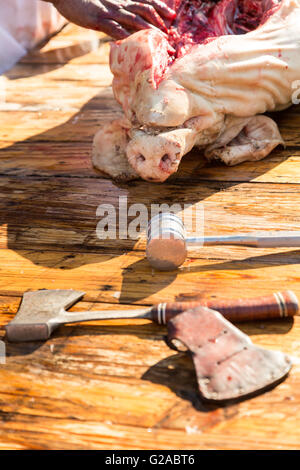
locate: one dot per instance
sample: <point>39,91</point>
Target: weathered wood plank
<point>69,95</point>
<point>54,125</point>
<point>281,166</point>
<point>47,433</point>
<point>92,48</point>
<point>72,45</point>
<point>68,220</point>
<point>93,75</point>
<point>127,278</point>
<point>58,158</point>
<point>47,159</point>
<point>8,307</point>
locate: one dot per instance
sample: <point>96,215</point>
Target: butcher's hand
<point>117,18</point>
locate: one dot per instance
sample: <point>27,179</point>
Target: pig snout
<point>156,157</point>
<point>153,158</point>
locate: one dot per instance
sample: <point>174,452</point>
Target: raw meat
<point>207,84</point>
<point>228,365</point>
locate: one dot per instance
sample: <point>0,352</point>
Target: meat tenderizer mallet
<point>167,242</point>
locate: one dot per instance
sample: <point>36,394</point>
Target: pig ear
<point>245,139</point>
<point>109,151</point>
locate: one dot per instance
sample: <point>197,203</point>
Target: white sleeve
<point>23,24</point>
<point>10,51</point>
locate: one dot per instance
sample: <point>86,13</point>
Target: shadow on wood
<point>177,372</point>
<point>52,193</point>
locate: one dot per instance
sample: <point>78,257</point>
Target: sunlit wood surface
<point>116,384</point>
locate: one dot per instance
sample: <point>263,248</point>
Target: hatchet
<point>41,312</point>
<point>228,365</point>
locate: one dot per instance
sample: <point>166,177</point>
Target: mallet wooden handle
<point>278,305</point>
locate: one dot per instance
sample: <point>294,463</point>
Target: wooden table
<point>116,384</point>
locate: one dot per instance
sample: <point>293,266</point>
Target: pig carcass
<point>207,83</point>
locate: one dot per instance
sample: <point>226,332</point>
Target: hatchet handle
<point>277,305</point>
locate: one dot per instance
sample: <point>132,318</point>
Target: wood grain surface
<point>116,384</point>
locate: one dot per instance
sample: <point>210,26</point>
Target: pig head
<point>212,96</point>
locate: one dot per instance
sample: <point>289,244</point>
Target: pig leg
<point>245,139</point>
<point>109,151</point>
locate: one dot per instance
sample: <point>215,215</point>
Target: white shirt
<point>23,24</point>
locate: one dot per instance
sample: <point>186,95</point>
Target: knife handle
<point>277,305</point>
